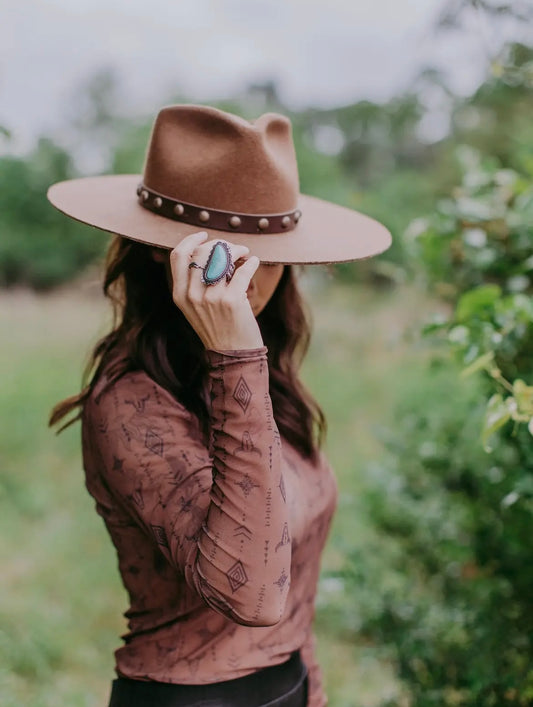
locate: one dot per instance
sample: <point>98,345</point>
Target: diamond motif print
<point>154,442</point>
<point>242,393</point>
<point>236,576</point>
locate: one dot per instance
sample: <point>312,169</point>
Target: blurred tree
<point>263,97</point>
<point>95,121</point>
<point>96,102</point>
<point>129,151</point>
<point>4,132</point>
<point>496,119</point>
<point>39,247</point>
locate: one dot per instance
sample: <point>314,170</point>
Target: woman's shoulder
<point>134,411</point>
<point>134,392</point>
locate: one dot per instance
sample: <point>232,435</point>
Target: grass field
<point>61,601</point>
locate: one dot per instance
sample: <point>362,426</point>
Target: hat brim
<point>326,232</point>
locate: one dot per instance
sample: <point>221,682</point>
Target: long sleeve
<point>212,512</point>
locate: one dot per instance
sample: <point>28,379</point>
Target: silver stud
<point>204,216</point>
<point>263,223</point>
<point>158,202</point>
<point>235,222</point>
<point>286,221</point>
<point>297,216</point>
<point>144,195</point>
<point>178,209</point>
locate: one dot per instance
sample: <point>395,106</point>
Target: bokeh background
<point>418,113</point>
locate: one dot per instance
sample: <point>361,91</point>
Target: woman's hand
<point>220,314</point>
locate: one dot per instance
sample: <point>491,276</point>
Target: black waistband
<point>277,686</point>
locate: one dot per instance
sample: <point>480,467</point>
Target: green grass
<point>60,597</point>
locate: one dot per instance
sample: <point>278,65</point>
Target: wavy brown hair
<point>151,334</point>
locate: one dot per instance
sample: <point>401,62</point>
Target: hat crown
<point>205,156</point>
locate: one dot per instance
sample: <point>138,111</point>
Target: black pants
<point>282,685</point>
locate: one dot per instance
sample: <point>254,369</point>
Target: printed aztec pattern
<point>219,546</point>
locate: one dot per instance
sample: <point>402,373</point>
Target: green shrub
<point>482,233</point>
<point>477,251</point>
<point>446,585</point>
<point>39,247</point>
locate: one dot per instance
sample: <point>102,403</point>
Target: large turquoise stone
<point>218,263</point>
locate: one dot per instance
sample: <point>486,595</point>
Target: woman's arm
<point>217,514</point>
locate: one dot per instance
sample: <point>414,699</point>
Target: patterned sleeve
<point>214,513</point>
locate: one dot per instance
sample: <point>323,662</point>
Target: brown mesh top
<point>218,546</point>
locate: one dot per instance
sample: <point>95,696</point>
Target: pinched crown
<point>201,155</point>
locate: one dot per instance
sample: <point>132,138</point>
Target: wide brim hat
<point>209,170</point>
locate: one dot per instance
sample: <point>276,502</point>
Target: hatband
<point>215,218</point>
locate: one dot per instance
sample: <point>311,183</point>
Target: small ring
<point>195,265</point>
<point>230,272</point>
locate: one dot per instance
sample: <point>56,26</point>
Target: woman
<point>200,445</point>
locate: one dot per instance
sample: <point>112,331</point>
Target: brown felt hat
<point>238,180</point>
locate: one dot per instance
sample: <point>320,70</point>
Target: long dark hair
<point>150,333</point>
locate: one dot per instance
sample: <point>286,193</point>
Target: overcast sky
<point>320,52</point>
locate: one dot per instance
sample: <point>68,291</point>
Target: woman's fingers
<point>220,313</point>
<point>180,257</point>
<point>188,245</point>
<point>224,312</point>
<point>243,274</point>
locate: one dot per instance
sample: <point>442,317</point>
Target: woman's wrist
<point>217,357</point>
<point>233,338</point>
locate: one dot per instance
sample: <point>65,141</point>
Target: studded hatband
<point>221,220</point>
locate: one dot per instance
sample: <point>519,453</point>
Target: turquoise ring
<point>219,264</point>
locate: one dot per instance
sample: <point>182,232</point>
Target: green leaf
<point>475,302</point>
<point>481,363</point>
